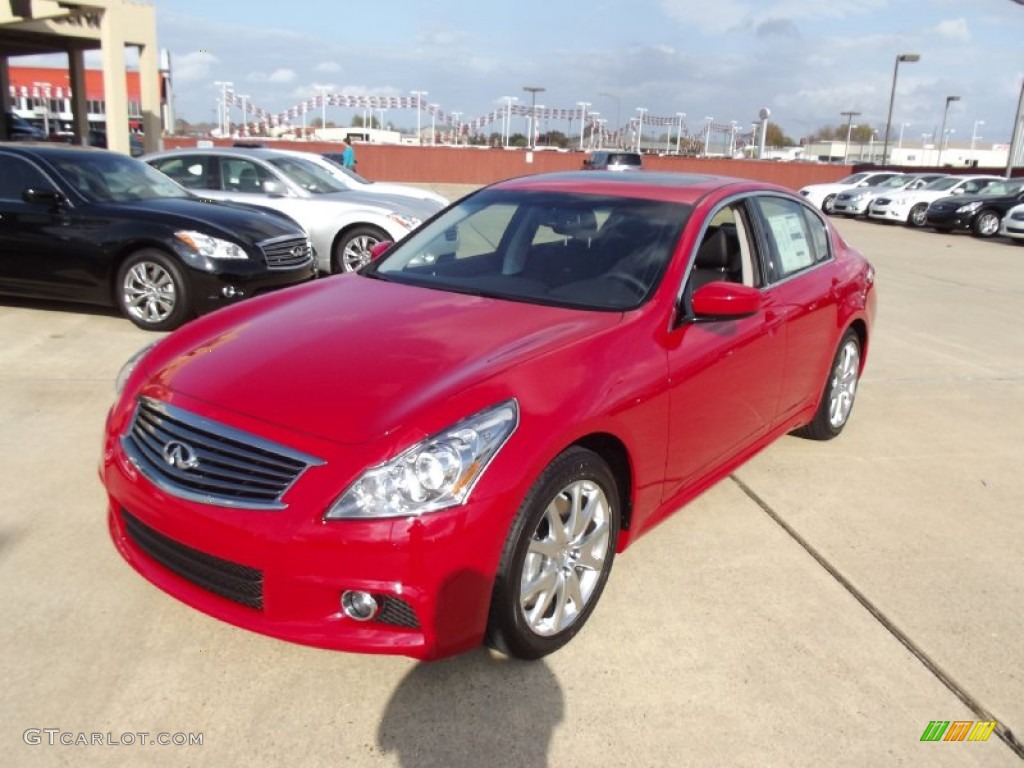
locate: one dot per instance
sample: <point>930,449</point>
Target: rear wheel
<point>918,217</point>
<point>986,224</point>
<point>152,291</point>
<point>352,249</point>
<point>557,557</point>
<point>840,391</point>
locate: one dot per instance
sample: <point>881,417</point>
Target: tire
<point>918,216</point>
<point>152,292</point>
<point>352,249</point>
<point>828,205</point>
<point>840,390</point>
<point>986,224</point>
<point>566,566</point>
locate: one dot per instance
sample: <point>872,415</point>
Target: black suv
<point>613,161</point>
<point>81,224</point>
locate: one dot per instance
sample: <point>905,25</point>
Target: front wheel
<point>918,215</point>
<point>557,557</point>
<point>828,205</point>
<point>352,249</point>
<point>840,390</point>
<point>152,291</point>
<point>986,224</point>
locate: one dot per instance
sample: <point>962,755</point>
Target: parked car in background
<point>343,225</point>
<point>88,225</point>
<point>855,202</point>
<point>1013,224</point>
<point>355,182</point>
<point>822,196</point>
<point>20,129</point>
<point>589,353</point>
<point>911,206</point>
<point>613,160</point>
<point>981,214</point>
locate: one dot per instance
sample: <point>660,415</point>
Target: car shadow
<point>477,709</point>
<point>53,305</point>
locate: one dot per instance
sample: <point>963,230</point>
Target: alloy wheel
<point>149,293</point>
<point>843,388</point>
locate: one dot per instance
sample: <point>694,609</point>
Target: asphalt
<point>820,607</point>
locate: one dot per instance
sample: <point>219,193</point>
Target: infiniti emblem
<point>298,252</point>
<point>180,455</point>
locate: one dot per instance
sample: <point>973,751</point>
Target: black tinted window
<point>17,175</point>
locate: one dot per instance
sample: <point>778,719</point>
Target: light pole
<point>245,113</point>
<point>533,90</point>
<point>707,134</point>
<point>419,107</point>
<point>679,135</point>
<point>583,119</point>
<point>433,113</point>
<point>640,126</point>
<point>225,121</point>
<point>942,133</point>
<point>974,133</point>
<point>908,57</point>
<point>849,115</point>
<point>732,137</point>
<point>618,108</point>
<point>508,118</point>
<point>458,126</point>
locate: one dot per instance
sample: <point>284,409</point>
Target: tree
<point>776,137</point>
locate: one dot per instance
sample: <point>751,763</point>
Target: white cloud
<point>282,76</point>
<point>953,29</point>
<point>192,67</point>
<point>327,66</point>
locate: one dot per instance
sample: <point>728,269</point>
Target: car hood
<point>352,359</point>
<point>402,190</point>
<point>232,220</point>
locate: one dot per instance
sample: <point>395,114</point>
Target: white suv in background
<point>822,196</point>
<point>910,206</point>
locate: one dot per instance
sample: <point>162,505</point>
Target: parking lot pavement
<point>719,641</point>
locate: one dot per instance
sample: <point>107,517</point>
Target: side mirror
<point>275,188</point>
<point>49,197</point>
<point>720,300</point>
<point>380,249</point>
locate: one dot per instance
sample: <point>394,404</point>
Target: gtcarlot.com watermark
<point>56,737</point>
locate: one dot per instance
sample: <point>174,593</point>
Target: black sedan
<point>80,224</point>
<point>979,213</point>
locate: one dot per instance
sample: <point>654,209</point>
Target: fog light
<point>361,606</point>
<point>230,292</point>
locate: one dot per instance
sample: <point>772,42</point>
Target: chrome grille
<point>202,460</point>
<point>287,252</point>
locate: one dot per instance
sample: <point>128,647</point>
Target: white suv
<point>910,206</point>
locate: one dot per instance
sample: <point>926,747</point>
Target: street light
<point>458,126</point>
<point>245,118</point>
<point>849,128</point>
<point>707,134</point>
<point>732,137</point>
<point>908,57</point>
<point>942,133</point>
<point>618,106</point>
<point>679,135</point>
<point>974,133</point>
<point>433,132</point>
<point>583,119</point>
<point>640,126</point>
<point>419,107</point>
<point>533,90</point>
<point>508,118</point>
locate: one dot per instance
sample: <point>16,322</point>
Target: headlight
<point>969,207</point>
<point>409,222</point>
<point>434,474</point>
<point>129,366</point>
<point>858,195</point>
<point>211,247</point>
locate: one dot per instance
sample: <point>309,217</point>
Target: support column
<point>115,87</point>
<point>79,98</point>
<point>149,84</point>
<point>5,95</point>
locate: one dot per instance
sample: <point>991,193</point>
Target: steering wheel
<point>630,280</point>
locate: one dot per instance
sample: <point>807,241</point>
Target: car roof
<point>675,187</point>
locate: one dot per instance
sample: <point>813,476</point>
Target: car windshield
<point>110,177</point>
<point>347,171</point>
<point>308,175</point>
<point>854,179</point>
<point>944,183</point>
<point>897,181</point>
<point>1003,189</point>
<point>595,252</point>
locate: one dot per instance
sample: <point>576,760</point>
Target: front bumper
<point>888,212</point>
<point>282,573</point>
<point>1012,228</point>
<point>949,221</point>
<point>851,207</point>
<point>230,283</point>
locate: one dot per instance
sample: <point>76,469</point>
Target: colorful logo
<point>958,730</point>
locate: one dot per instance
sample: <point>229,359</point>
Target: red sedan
<point>450,446</point>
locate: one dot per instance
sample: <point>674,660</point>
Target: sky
<point>807,61</point>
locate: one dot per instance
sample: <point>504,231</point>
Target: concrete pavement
<point>719,640</point>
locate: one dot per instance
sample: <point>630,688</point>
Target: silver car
<point>342,224</point>
<point>855,202</point>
